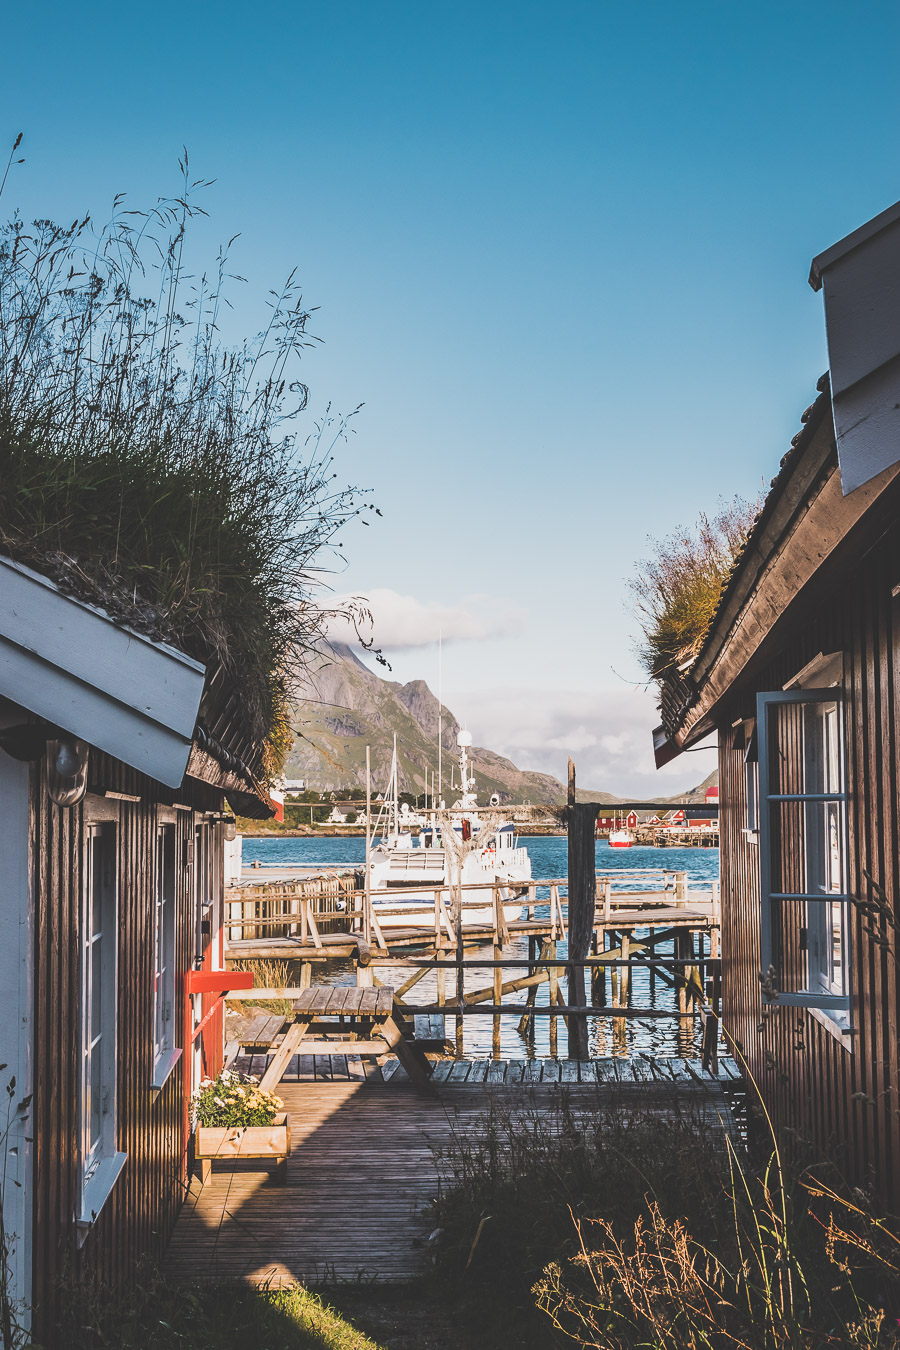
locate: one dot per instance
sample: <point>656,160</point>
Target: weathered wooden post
<point>581,819</point>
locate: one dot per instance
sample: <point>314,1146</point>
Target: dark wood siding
<point>138,1217</point>
<point>842,1099</point>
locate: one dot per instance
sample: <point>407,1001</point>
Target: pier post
<point>553,999</point>
<point>625,992</point>
<point>581,819</point>
<point>498,998</point>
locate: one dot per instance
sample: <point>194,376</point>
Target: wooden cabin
<point>118,756</point>
<point>799,676</point>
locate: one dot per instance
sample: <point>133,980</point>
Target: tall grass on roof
<point>148,467</point>
<point>677,589</point>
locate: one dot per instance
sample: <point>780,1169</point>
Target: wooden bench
<point>369,1011</point>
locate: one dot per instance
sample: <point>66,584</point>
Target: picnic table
<point>367,1016</point>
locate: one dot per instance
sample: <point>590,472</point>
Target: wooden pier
<point>631,915</point>
<point>370,1153</point>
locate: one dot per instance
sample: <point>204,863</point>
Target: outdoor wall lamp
<point>67,763</point>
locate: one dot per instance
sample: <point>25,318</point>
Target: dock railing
<point>301,909</point>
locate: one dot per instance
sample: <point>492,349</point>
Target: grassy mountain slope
<point>346,706</point>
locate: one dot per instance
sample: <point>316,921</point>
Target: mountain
<point>344,706</point>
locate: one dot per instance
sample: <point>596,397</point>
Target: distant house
<point>799,674</point>
<point>117,761</point>
<point>702,817</point>
<point>337,817</point>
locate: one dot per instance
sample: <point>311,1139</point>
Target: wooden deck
<point>363,1168</point>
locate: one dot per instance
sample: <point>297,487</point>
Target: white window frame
<point>165,1053</point>
<point>99,1161</point>
<point>836,1005</point>
<point>751,782</point>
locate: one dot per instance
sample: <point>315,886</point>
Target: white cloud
<point>607,733</point>
<point>400,622</point>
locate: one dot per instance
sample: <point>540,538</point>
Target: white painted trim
<point>163,1069</point>
<point>851,241</point>
<point>70,663</point>
<point>97,1192</point>
<point>845,1034</point>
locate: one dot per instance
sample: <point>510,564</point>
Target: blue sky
<point>560,253</point>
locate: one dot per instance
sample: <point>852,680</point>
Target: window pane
<point>96,1094</point>
<point>808,946</point>
<point>804,747</point>
<point>96,988</point>
<point>807,848</point>
<point>96,913</point>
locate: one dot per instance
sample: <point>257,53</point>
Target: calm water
<point>608,1036</point>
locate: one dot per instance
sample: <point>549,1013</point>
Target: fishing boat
<point>620,836</point>
<point>414,857</point>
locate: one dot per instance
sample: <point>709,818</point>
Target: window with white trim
<point>98,1006</point>
<point>803,848</point>
<point>164,953</point>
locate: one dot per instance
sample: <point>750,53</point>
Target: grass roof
<point>148,468</point>
<point>677,588</point>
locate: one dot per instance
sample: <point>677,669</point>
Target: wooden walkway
<point>364,1167</point>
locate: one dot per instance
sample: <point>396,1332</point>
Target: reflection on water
<point>607,1035</point>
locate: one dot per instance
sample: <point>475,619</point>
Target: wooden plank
<point>312,1001</point>
<point>410,1057</point>
<point>283,1055</point>
<point>550,1071</point>
<point>320,1045</point>
<point>337,998</point>
<point>568,1071</point>
<point>384,1002</point>
<point>441,1070</point>
<point>496,1072</point>
<point>478,1071</point>
<point>368,1002</point>
<point>459,1071</point>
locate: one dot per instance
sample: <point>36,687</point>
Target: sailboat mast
<point>440,715</point>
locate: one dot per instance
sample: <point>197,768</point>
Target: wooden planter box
<point>250,1141</point>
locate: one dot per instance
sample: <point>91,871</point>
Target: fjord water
<point>608,1036</point>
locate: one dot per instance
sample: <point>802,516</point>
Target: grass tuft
<point>677,588</point>
<point>148,468</point>
<point>207,1316</point>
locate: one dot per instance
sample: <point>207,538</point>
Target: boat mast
<point>440,717</point>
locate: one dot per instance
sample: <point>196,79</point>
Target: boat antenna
<point>440,716</point>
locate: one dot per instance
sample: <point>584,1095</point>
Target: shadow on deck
<point>367,1158</point>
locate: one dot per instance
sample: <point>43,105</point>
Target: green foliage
<point>268,975</point>
<point>230,1100</point>
<point>208,1315</point>
<point>676,590</point>
<point>148,469</point>
<point>627,1226</point>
